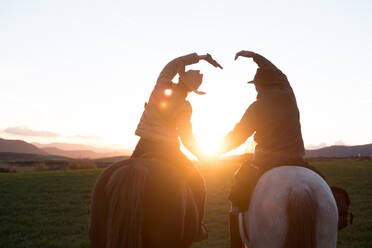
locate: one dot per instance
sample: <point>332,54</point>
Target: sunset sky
<point>80,71</point>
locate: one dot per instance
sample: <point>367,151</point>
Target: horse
<point>141,203</point>
<point>290,207</point>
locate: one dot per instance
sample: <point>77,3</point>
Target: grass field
<point>51,209</point>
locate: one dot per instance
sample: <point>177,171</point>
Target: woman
<point>167,117</point>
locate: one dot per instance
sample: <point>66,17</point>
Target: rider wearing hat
<point>274,120</point>
<point>167,117</point>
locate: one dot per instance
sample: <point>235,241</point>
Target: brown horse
<point>140,203</point>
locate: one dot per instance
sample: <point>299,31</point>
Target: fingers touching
<point>211,61</point>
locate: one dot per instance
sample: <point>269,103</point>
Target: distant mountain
<point>80,153</point>
<point>15,156</point>
<point>82,147</point>
<point>19,146</point>
<point>340,151</point>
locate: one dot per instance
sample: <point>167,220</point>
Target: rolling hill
<point>85,151</point>
<point>68,150</point>
<point>19,146</point>
<point>80,153</point>
<point>340,151</point>
<point>15,156</point>
<point>82,147</point>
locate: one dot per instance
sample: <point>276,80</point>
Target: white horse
<point>290,207</point>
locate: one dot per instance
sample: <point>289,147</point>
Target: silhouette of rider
<point>275,122</point>
<point>166,118</point>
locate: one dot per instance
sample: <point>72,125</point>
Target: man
<point>275,120</point>
<point>166,118</point>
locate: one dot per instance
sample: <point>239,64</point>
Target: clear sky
<point>80,71</point>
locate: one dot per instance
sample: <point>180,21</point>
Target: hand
<point>210,60</point>
<point>247,54</point>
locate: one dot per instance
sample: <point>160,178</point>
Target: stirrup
<point>242,230</point>
<point>203,233</point>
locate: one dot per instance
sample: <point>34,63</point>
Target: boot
<point>203,233</point>
<point>235,240</point>
<point>197,186</point>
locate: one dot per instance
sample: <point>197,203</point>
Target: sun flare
<point>210,143</point>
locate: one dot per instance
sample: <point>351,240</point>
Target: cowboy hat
<point>192,79</point>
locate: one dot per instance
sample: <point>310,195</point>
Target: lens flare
<point>168,92</point>
<point>163,105</point>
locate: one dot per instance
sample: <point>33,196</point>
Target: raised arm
<point>260,60</point>
<point>178,66</point>
<point>264,64</point>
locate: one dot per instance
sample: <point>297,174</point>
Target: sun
<point>210,143</point>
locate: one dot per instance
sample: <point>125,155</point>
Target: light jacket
<point>167,114</point>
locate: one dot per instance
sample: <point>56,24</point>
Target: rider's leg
<point>245,179</point>
<point>197,185</point>
<point>235,240</point>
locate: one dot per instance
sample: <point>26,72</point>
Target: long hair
<point>125,189</point>
<point>301,212</point>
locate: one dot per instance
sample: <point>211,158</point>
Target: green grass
<point>45,209</point>
<point>51,209</point>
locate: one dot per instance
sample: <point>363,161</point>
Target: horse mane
<point>125,189</point>
<point>301,212</point>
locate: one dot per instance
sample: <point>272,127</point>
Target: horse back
<point>162,204</point>
<point>269,221</point>
<point>99,206</point>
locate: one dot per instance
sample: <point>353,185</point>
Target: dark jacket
<point>274,118</point>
